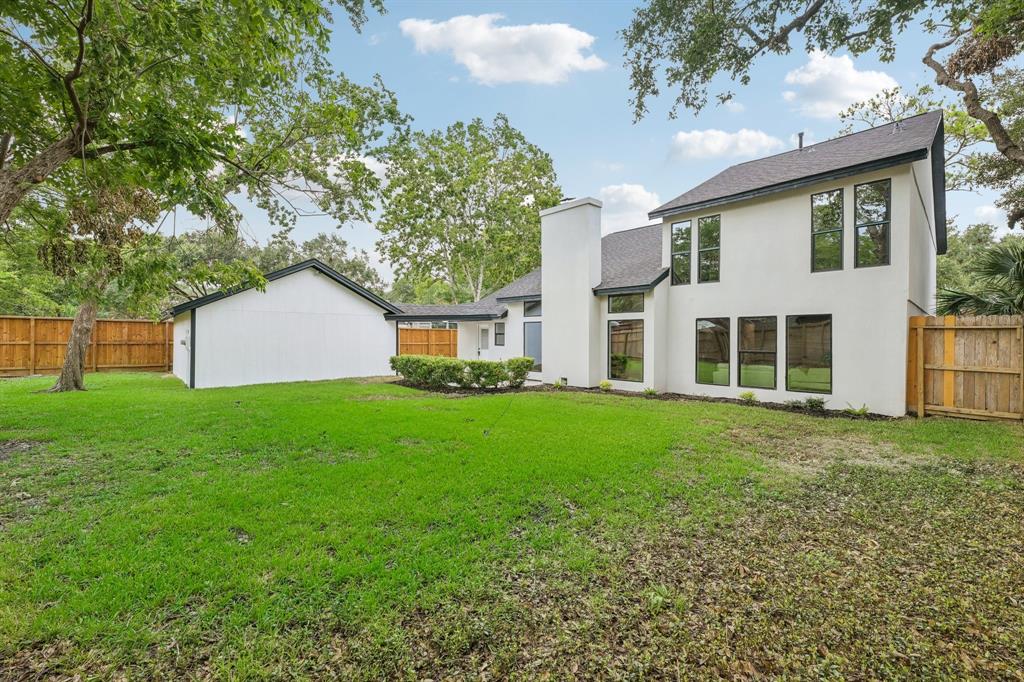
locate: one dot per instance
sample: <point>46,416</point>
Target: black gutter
<point>192,350</point>
<point>632,289</point>
<point>938,152</point>
<point>512,299</point>
<point>879,164</point>
<point>409,317</point>
<point>290,270</point>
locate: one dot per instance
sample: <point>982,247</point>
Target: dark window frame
<point>831,366</point>
<point>687,254</point>
<point>701,250</point>
<point>740,352</point>
<point>526,307</point>
<point>887,222</point>
<point>499,336</point>
<point>696,352</point>
<point>841,229</point>
<point>643,366</point>
<point>626,312</point>
<point>527,355</point>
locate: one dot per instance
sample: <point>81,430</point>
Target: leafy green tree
<point>200,100</point>
<point>692,46</point>
<point>26,287</point>
<point>408,288</point>
<point>958,269</point>
<point>461,206</point>
<point>1000,284</point>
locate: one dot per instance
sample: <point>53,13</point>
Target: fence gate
<point>36,345</point>
<point>966,366</point>
<point>422,341</point>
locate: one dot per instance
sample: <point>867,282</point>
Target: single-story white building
<point>790,276</point>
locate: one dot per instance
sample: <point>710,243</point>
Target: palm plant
<point>1001,274</point>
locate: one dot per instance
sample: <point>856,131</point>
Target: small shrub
<point>749,397</point>
<point>794,404</point>
<point>518,369</point>
<point>814,404</point>
<point>486,373</point>
<point>557,384</point>
<point>861,411</point>
<point>650,392</point>
<point>605,386</point>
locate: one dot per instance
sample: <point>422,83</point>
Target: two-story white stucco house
<point>789,276</point>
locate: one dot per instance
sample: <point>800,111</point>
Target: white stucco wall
<point>571,254</point>
<point>653,370</point>
<point>182,346</point>
<point>921,300</point>
<point>765,271</point>
<point>304,327</point>
<point>469,336</point>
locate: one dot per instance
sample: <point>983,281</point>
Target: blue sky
<point>556,69</point>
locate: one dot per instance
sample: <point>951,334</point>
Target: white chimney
<point>570,243</point>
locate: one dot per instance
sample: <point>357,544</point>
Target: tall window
<point>626,303</point>
<point>485,338</point>
<point>713,351</point>
<point>531,343</point>
<point>626,350</point>
<point>757,348</point>
<point>709,242</point>
<point>827,231</point>
<point>499,333</point>
<point>871,216</point>
<point>681,252</point>
<point>809,353</point>
<point>532,309</point>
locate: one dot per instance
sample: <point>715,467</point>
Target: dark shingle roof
<point>525,288</point>
<point>631,260</point>
<point>886,145</point>
<point>484,309</point>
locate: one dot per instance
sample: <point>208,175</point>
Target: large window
<point>871,216</point>
<point>485,338</point>
<point>626,350</point>
<point>626,303</point>
<point>713,351</point>
<point>757,339</point>
<point>531,343</point>
<point>809,353</point>
<point>532,309</point>
<point>709,254</point>
<point>499,333</point>
<point>827,231</point>
<point>681,252</point>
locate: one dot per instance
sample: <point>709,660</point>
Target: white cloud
<point>826,85</point>
<point>735,107</point>
<point>374,39</point>
<point>990,214</point>
<point>529,53</point>
<point>709,144</point>
<point>626,206</point>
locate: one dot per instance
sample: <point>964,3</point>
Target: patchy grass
<point>363,529</point>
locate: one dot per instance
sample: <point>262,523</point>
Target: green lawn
<point>363,529</point>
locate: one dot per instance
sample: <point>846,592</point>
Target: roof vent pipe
<point>567,199</point>
<point>800,139</point>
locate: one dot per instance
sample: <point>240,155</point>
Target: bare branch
<point>1006,145</point>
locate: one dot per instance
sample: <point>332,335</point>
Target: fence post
<point>920,370</point>
<point>167,357</point>
<point>32,345</point>
<point>948,359</point>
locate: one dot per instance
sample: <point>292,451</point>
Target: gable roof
<point>631,260</point>
<point>312,263</point>
<point>526,288</point>
<point>884,146</point>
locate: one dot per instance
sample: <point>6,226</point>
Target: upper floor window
<point>871,219</point>
<point>681,252</point>
<point>827,231</point>
<point>499,333</point>
<point>626,303</point>
<point>532,309</point>
<point>709,241</point>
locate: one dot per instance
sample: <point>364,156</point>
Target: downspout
<point>192,349</point>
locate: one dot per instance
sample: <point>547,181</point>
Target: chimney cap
<point>574,203</point>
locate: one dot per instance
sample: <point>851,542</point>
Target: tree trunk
<point>71,374</point>
<point>15,183</point>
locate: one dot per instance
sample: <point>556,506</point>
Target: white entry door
<point>484,346</point>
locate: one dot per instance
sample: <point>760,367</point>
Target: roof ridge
<point>631,229</point>
<point>831,139</point>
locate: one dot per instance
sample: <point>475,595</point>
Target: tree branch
<point>70,78</point>
<point>1006,145</point>
<point>96,152</point>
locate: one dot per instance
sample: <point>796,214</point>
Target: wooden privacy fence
<point>966,366</point>
<point>421,341</point>
<point>36,345</point>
